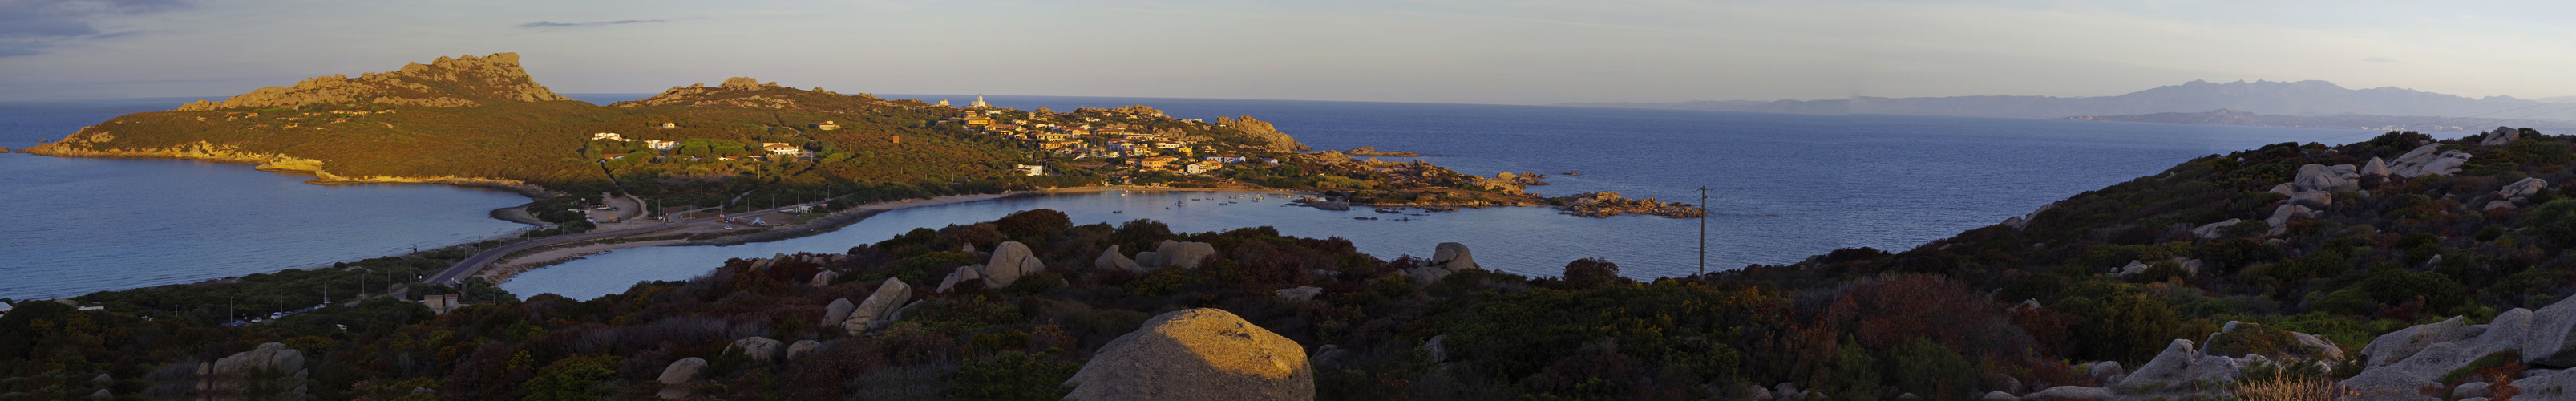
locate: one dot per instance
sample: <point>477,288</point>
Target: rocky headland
<point>1606,204</point>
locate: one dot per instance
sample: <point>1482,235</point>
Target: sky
<point>1448,51</point>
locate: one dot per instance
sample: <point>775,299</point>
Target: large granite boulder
<point>2179,366</point>
<point>2398,345</point>
<point>2500,136</point>
<point>675,378</point>
<point>2211,230</point>
<point>837,312</point>
<point>877,312</point>
<point>2523,189</point>
<point>2549,340</point>
<point>270,366</point>
<point>1187,255</point>
<point>1453,256</point>
<point>961,275</point>
<point>825,278</point>
<point>2376,166</point>
<point>2070,393</point>
<point>2428,160</point>
<point>758,348</point>
<point>2323,178</point>
<point>1196,354</point>
<point>2399,379</point>
<point>1111,259</point>
<point>802,348</point>
<point>1010,262</point>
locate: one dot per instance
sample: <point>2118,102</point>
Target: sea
<point>1779,187</point>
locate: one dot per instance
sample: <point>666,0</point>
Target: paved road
<point>475,264</point>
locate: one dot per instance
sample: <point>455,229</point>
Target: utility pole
<point>1703,231</point>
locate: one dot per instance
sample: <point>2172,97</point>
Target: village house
<point>782,149</point>
<point>1156,161</point>
<point>670,125</point>
<point>827,125</point>
<point>658,144</point>
<point>1029,169</point>
<point>1201,167</point>
<point>1226,159</point>
<point>1057,144</point>
<point>608,136</point>
<point>1050,136</point>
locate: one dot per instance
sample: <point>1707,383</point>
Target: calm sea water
<point>1781,186</point>
<point>78,225</point>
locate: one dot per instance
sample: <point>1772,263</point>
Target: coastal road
<point>453,275</point>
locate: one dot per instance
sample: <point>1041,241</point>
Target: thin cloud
<point>2378,60</point>
<point>552,24</point>
<point>28,27</point>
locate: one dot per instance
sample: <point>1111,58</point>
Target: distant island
<point>2302,98</point>
<point>2348,121</point>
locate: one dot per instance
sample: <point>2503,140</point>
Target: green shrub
<point>1924,368</point>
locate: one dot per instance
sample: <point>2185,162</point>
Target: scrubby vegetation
<point>1947,320</point>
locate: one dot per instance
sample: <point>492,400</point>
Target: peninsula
<point>740,145</point>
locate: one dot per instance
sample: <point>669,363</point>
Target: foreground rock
<point>1196,354</point>
<point>1111,259</point>
<point>1011,261</point>
<point>1186,255</point>
<point>676,378</point>
<point>2408,360</point>
<point>1447,258</point>
<point>270,369</point>
<point>2428,160</point>
<point>878,310</point>
<point>760,349</point>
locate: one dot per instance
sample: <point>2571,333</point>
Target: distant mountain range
<point>2303,98</point>
<point>2368,122</point>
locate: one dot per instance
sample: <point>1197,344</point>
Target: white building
<point>782,149</point>
<point>979,102</point>
<point>658,144</point>
<point>608,136</point>
<point>1033,170</point>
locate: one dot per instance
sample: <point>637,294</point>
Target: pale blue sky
<point>1514,52</point>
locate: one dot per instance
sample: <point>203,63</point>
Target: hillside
<point>2302,98</point>
<point>2378,270</point>
<point>482,121</point>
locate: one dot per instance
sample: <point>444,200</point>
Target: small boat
<point>1572,173</point>
<point>1117,211</point>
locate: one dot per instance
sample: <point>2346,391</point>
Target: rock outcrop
<point>825,278</point>
<point>802,348</point>
<point>837,312</point>
<point>1111,259</point>
<point>1264,135</point>
<point>758,348</point>
<point>1186,255</point>
<point>2428,160</point>
<point>1300,293</point>
<point>2409,359</point>
<point>2523,189</point>
<point>446,82</point>
<point>961,275</point>
<point>271,368</point>
<point>2500,136</point>
<point>1452,256</point>
<point>2179,366</point>
<point>2375,167</point>
<point>677,377</point>
<point>1011,261</point>
<point>877,312</point>
<point>1196,354</point>
<point>2328,179</point>
<point>2211,230</point>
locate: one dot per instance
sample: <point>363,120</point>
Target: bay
<point>79,225</point>
<point>1781,186</point>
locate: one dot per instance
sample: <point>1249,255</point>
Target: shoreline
<point>837,220</point>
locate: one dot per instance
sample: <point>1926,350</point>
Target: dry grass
<point>2295,388</point>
